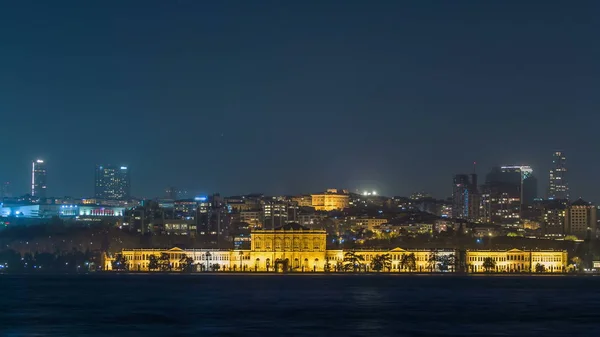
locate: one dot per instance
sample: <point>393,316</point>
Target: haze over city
<point>283,98</point>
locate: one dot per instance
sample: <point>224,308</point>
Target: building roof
<point>580,202</point>
<point>292,226</point>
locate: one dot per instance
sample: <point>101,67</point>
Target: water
<point>298,305</point>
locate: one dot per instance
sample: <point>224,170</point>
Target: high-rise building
<point>527,180</point>
<point>553,218</point>
<point>501,196</point>
<point>465,197</point>
<point>112,182</point>
<point>38,179</point>
<point>580,219</point>
<point>558,188</point>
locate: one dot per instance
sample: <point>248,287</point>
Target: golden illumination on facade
<point>516,261</point>
<point>294,248</point>
<point>330,201</point>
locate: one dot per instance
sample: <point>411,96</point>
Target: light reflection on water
<point>315,305</point>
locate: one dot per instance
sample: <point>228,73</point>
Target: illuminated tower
<point>38,179</point>
<point>112,182</point>
<point>558,188</point>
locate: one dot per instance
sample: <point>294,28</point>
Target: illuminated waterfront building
<point>558,187</point>
<point>112,182</point>
<point>294,248</point>
<point>38,179</point>
<point>331,200</point>
<point>516,261</point>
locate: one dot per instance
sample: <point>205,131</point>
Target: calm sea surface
<point>298,305</point>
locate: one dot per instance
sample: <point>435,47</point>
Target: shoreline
<point>348,274</point>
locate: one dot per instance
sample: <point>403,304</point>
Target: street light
<point>208,255</point>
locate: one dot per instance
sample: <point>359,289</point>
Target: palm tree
<point>153,262</point>
<point>432,261</point>
<point>540,268</point>
<point>380,262</point>
<point>120,263</point>
<point>577,264</point>
<point>186,264</point>
<point>353,261</point>
<point>489,264</point>
<point>408,262</point>
<point>445,262</point>
<point>164,262</point>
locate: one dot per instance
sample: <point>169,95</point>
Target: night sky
<point>288,97</point>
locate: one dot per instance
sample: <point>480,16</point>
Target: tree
<point>353,261</point>
<point>408,262</point>
<point>445,262</point>
<point>186,264</point>
<point>540,268</point>
<point>153,263</point>
<point>489,264</point>
<point>380,262</point>
<point>164,262</point>
<point>120,263</point>
<point>327,265</point>
<point>432,261</point>
<point>576,264</point>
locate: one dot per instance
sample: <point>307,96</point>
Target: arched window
<point>287,243</point>
<point>296,243</point>
<point>316,243</point>
<point>296,263</point>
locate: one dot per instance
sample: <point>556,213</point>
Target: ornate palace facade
<point>294,248</point>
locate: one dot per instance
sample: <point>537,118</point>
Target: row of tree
<point>163,263</point>
<point>408,262</point>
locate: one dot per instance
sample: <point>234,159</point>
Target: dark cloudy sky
<point>297,96</point>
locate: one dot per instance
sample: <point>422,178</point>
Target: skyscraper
<point>38,179</point>
<point>112,182</point>
<point>501,199</point>
<point>465,197</point>
<point>527,180</point>
<point>558,188</point>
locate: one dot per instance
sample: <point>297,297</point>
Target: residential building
<point>253,218</point>
<point>303,200</point>
<point>580,219</point>
<point>553,218</point>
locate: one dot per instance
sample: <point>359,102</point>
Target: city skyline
<point>287,98</point>
<point>112,182</point>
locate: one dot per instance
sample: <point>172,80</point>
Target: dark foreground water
<point>301,305</point>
